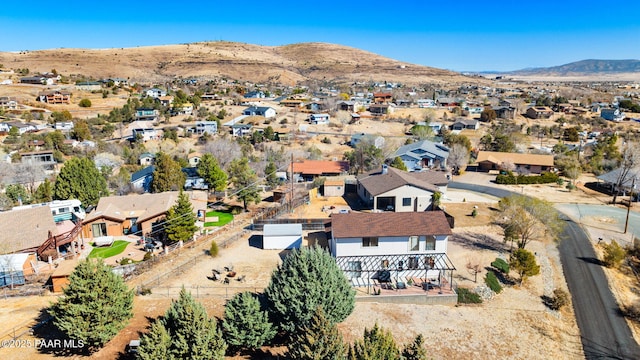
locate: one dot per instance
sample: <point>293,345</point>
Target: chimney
<point>384,169</point>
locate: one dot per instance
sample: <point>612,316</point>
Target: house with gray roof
<point>396,190</point>
<point>375,140</point>
<point>423,154</point>
<point>141,179</point>
<point>265,111</point>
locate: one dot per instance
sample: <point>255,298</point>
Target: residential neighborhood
<point>425,195</point>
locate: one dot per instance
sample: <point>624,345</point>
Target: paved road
<point>604,332</point>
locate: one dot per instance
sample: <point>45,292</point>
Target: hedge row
<point>543,178</point>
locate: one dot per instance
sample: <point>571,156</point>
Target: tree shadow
<point>479,241</point>
<point>591,260</point>
<point>54,342</point>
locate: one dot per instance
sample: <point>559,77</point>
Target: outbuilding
<point>282,236</point>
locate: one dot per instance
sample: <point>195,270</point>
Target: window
<point>406,201</point>
<point>99,229</point>
<point>369,241</point>
<point>431,243</point>
<point>354,269</point>
<point>414,243</point>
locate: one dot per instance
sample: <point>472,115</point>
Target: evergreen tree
<point>318,340</point>
<point>212,173</point>
<point>244,180</point>
<point>306,279</point>
<point>377,344</point>
<point>18,194</point>
<point>155,344</point>
<point>415,350</point>
<point>96,305</point>
<point>398,164</point>
<point>167,175</point>
<point>524,262</point>
<point>44,193</point>
<point>80,179</point>
<point>193,335</point>
<point>270,174</point>
<point>180,223</point>
<point>245,324</point>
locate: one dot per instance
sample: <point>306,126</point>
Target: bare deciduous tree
<point>474,268</point>
<point>458,158</point>
<point>224,150</point>
<point>629,168</point>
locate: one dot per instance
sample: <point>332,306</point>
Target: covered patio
<point>400,275</point>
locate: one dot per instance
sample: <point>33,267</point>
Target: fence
<point>221,292</point>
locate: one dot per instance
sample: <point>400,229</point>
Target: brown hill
<point>287,64</point>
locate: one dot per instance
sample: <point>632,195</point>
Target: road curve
<point>604,331</point>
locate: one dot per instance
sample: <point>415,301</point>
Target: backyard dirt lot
<point>513,324</point>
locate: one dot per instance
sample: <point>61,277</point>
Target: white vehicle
<point>60,209</point>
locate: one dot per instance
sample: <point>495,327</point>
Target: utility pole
<point>633,187</point>
<point>291,196</point>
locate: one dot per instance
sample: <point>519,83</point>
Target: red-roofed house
<point>311,169</point>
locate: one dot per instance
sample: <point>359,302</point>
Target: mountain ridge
<point>586,67</point>
<point>287,64</point>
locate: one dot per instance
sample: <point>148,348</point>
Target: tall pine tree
<point>245,324</point>
<point>96,305</point>
<point>180,223</point>
<point>318,340</point>
<point>80,179</point>
<point>244,180</point>
<point>415,350</point>
<point>306,279</point>
<point>167,175</point>
<point>212,173</point>
<point>193,335</point>
<point>376,344</point>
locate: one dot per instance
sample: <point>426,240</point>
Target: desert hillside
<point>287,64</point>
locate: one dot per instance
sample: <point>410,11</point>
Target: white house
<point>206,127</point>
<point>368,245</point>
<point>155,92</point>
<point>375,140</point>
<point>266,111</point>
<point>63,126</point>
<point>145,133</point>
<point>400,191</point>
<point>282,236</point>
<point>318,119</point>
<point>4,127</point>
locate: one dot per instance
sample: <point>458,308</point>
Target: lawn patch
<point>116,248</point>
<point>223,218</point>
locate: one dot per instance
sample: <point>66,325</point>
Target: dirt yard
<point>513,324</point>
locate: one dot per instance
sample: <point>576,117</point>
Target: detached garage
<point>282,236</point>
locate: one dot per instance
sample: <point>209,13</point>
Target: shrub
<point>492,282</point>
<point>213,250</point>
<point>613,254</point>
<point>147,256</point>
<point>510,179</point>
<point>326,140</point>
<point>85,103</point>
<point>466,296</point>
<point>474,213</point>
<point>559,299</point>
<point>570,186</point>
<point>126,261</point>
<point>501,265</point>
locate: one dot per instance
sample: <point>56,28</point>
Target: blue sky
<point>458,35</point>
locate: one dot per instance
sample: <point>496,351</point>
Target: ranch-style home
<point>319,119</point>
<point>371,247</point>
<point>135,214</point>
<point>520,163</point>
<point>423,154</point>
<point>266,111</point>
<point>400,191</point>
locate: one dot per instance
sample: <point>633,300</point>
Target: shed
<point>60,276</point>
<point>334,188</point>
<point>282,236</point>
<point>13,268</point>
